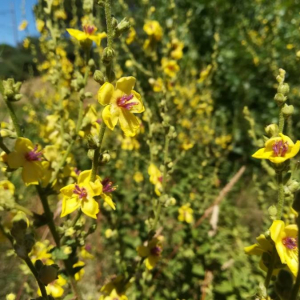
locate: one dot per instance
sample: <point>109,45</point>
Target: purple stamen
<point>290,243</point>
<point>155,251</point>
<point>77,172</point>
<point>88,247</point>
<point>123,102</point>
<point>108,186</point>
<point>81,192</point>
<point>160,178</point>
<point>34,155</point>
<point>89,29</point>
<point>280,148</point>
<point>99,121</point>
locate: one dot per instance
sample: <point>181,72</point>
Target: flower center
<point>123,102</point>
<point>290,243</point>
<point>156,250</point>
<point>280,148</point>
<point>34,155</point>
<point>89,29</point>
<point>108,186</point>
<point>81,192</point>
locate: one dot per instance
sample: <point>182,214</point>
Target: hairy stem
<point>14,118</point>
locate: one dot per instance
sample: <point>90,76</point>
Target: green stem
<point>48,215</point>
<point>107,7</point>
<point>281,121</point>
<point>35,273</point>
<point>96,157</point>
<point>72,225</point>
<point>164,182</point>
<point>14,118</point>
<point>3,147</point>
<point>296,287</point>
<point>280,203</point>
<point>270,269</point>
<point>23,209</point>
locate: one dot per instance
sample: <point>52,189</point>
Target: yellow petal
<point>15,160</point>
<point>139,107</point>
<point>129,123</point>
<point>285,138</point>
<point>23,145</point>
<point>109,119</point>
<point>291,230</point>
<point>278,159</point>
<point>77,34</point>
<point>84,177</point>
<point>108,200</point>
<point>32,172</point>
<point>96,187</point>
<point>294,150</point>
<point>126,84</point>
<point>262,154</point>
<point>151,261</point>
<point>90,207</point>
<point>105,93</point>
<point>68,190</point>
<point>276,231</point>
<point>69,205</point>
<point>143,251</point>
<point>253,250</point>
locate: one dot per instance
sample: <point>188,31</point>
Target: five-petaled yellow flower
<point>87,35</point>
<point>121,102</point>
<point>152,252</point>
<point>185,214</point>
<point>278,149</point>
<point>153,29</point>
<point>286,243</point>
<point>29,157</point>
<point>81,194</point>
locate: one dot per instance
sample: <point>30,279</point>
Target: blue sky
<point>12,12</point>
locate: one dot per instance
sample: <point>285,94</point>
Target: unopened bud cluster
<point>11,90</point>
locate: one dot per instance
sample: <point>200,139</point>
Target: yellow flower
<point>87,35</point>
<point>23,25</point>
<point>82,195</point>
<point>55,288</point>
<point>185,214</point>
<point>152,252</point>
<point>26,43</point>
<point>40,24</point>
<point>114,290</point>
<point>153,29</point>
<point>286,243</point>
<point>41,251</point>
<point>130,144</point>
<point>29,157</point>
<point>131,36</point>
<point>177,48</point>
<point>278,149</point>
<point>204,73</point>
<point>138,177</point>
<point>155,178</point>
<point>157,85</point>
<point>81,272</point>
<point>121,102</point>
<point>170,67</point>
<point>7,185</point>
<point>11,296</point>
<point>60,14</point>
<point>262,245</point>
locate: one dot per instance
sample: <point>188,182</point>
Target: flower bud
<point>11,90</point>
<point>105,157</point>
<point>114,22</point>
<point>293,186</point>
<point>272,210</point>
<point>47,274</point>
<point>272,130</point>
<point>90,154</point>
<point>99,77</point>
<point>108,55</point>
<point>280,99</point>
<point>287,110</point>
<point>283,88</point>
<point>122,27</point>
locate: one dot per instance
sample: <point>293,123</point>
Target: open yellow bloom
<point>121,103</point>
<point>170,67</point>
<point>152,252</point>
<point>153,29</point>
<point>23,25</point>
<point>286,243</point>
<point>55,288</point>
<point>82,195</point>
<point>185,214</point>
<point>87,35</point>
<point>177,47</point>
<point>114,290</point>
<point>278,149</point>
<point>29,157</point>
